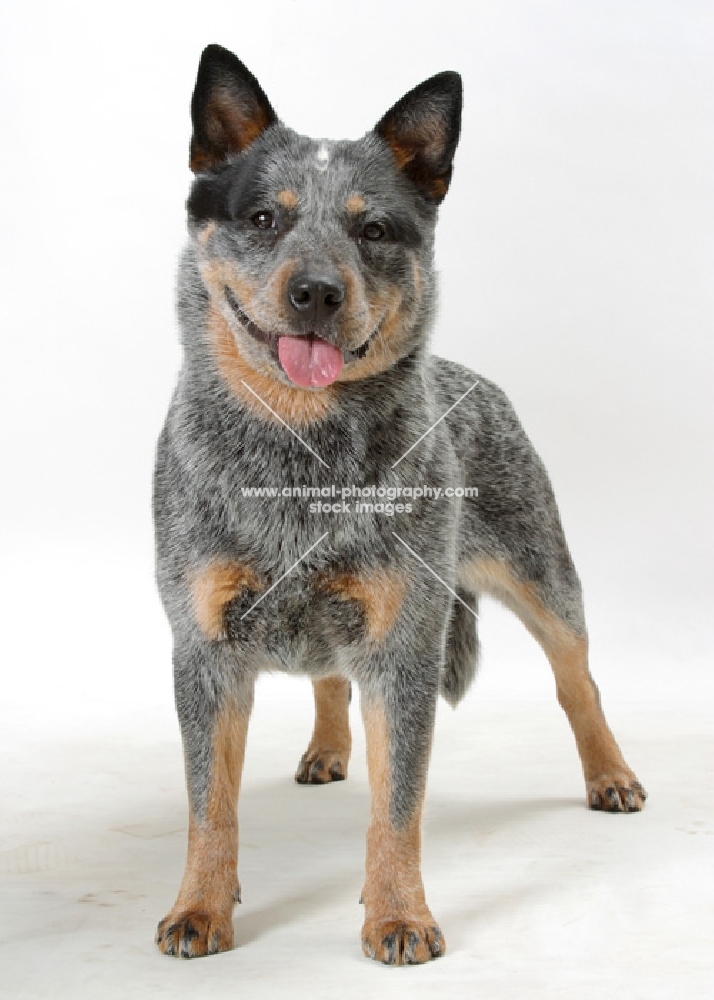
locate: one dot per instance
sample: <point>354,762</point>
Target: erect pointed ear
<point>423,130</point>
<point>229,109</point>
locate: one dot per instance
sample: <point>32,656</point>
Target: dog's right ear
<point>228,109</point>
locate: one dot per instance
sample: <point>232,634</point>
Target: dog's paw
<point>318,767</point>
<point>194,933</point>
<point>617,792</point>
<point>402,942</point>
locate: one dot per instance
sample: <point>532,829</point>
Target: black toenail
<point>613,798</point>
<point>411,946</point>
<point>390,946</point>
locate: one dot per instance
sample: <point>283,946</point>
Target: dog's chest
<point>302,624</point>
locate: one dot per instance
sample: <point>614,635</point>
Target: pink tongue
<point>309,360</point>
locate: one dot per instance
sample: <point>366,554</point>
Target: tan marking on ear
<point>231,127</point>
<point>438,186</point>
<point>355,204</point>
<point>210,886</point>
<point>206,233</point>
<point>393,891</point>
<point>403,151</point>
<point>288,198</point>
<point>200,160</point>
<point>380,592</point>
<point>213,587</point>
<point>415,152</point>
<point>297,407</point>
<point>567,652</point>
<point>429,135</point>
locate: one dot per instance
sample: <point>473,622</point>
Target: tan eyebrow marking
<point>288,198</point>
<point>355,204</point>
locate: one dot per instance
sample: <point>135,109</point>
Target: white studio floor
<point>537,896</point>
<point>575,248</point>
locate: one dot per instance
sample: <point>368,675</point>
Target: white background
<point>576,253</point>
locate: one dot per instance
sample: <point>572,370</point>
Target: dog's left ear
<point>422,130</point>
<point>228,109</point>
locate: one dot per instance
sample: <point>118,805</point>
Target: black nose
<point>315,299</point>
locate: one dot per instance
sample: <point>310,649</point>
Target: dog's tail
<point>462,649</point>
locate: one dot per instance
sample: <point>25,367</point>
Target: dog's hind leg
<point>462,649</point>
<point>328,752</point>
<point>610,784</point>
<point>213,707</point>
<point>551,609</point>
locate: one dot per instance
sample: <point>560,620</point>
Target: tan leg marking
<point>288,198</point>
<point>200,921</point>
<point>399,928</point>
<point>610,783</point>
<point>380,593</point>
<point>328,752</point>
<point>214,586</point>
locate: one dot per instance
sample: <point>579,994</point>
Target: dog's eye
<point>374,231</point>
<point>263,220</point>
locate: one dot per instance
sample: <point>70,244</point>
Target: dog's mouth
<point>307,360</point>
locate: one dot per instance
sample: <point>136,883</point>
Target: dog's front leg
<point>214,705</point>
<point>398,711</point>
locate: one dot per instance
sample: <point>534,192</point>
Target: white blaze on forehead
<point>322,157</point>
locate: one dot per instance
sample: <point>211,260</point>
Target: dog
<point>306,295</point>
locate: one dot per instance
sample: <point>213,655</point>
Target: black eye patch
<point>233,193</point>
<point>208,198</point>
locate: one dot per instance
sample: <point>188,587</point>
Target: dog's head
<point>317,254</point>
